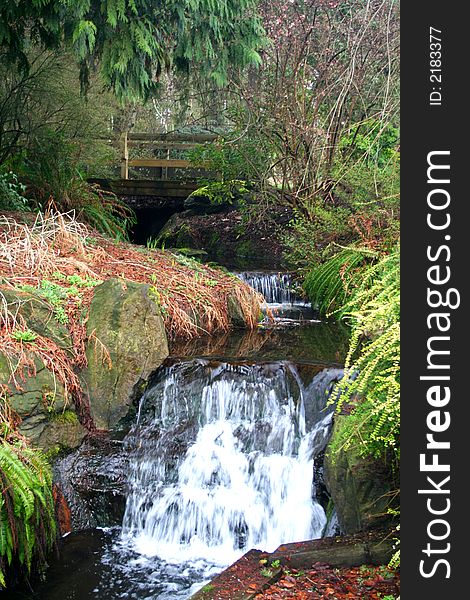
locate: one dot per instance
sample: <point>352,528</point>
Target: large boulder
<point>126,342</point>
<point>359,486</point>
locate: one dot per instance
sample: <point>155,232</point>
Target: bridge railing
<point>166,143</point>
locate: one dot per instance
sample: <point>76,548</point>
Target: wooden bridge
<point>154,170</point>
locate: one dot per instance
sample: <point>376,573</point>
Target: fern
<point>27,519</point>
<point>371,384</point>
<point>329,285</point>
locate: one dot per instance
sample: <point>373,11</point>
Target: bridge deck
<point>164,188</point>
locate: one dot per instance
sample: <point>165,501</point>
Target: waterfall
<point>222,461</point>
<point>284,303</point>
<point>275,287</point>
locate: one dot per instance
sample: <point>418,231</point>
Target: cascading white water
<point>223,462</point>
<point>283,302</point>
<point>275,287</point>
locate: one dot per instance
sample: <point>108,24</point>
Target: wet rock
<point>235,311</point>
<point>126,342</point>
<point>359,486</point>
<point>93,480</point>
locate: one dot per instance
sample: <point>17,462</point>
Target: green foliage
<point>68,417</point>
<point>371,384</point>
<point>329,285</point>
<point>153,243</point>
<point>134,41</point>
<point>77,280</point>
<point>25,335</point>
<point>371,190</point>
<point>365,213</point>
<point>27,519</point>
<point>105,212</point>
<point>221,192</point>
<point>265,572</point>
<point>56,294</point>
<point>242,158</point>
<point>189,262</point>
<point>306,239</point>
<point>11,192</point>
<point>47,98</point>
<point>372,140</point>
<point>52,170</point>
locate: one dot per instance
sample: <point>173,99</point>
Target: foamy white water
<point>222,463</point>
<point>275,287</point>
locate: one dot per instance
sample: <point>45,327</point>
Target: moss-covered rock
<point>235,312</point>
<point>39,317</point>
<point>39,404</point>
<point>126,342</point>
<point>64,431</point>
<point>360,487</point>
<point>39,398</point>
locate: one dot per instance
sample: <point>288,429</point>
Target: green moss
<point>52,453</point>
<point>330,507</point>
<point>67,416</point>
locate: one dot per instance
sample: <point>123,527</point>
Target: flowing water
<point>221,460</point>
<point>282,297</point>
<point>277,288</point>
<point>245,474</point>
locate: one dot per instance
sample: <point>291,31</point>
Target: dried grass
<point>194,298</point>
<point>39,249</point>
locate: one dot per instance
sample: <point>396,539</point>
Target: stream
<point>221,457</point>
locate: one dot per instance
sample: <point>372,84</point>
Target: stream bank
<point>86,320</point>
<point>230,238</point>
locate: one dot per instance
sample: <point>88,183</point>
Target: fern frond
<point>26,506</point>
<point>371,382</point>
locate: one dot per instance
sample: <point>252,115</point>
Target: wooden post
<point>165,169</point>
<point>124,156</point>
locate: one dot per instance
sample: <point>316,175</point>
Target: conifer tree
<point>132,42</point>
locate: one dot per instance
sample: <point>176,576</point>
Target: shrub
<point>329,285</point>
<point>246,157</point>
<point>367,295</point>
<point>372,140</point>
<point>371,384</point>
<point>221,192</point>
<point>11,193</point>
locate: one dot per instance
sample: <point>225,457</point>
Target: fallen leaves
<point>323,581</point>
